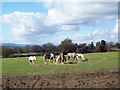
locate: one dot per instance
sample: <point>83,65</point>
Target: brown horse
<point>61,57</point>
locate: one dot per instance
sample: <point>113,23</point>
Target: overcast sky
<point>43,22</point>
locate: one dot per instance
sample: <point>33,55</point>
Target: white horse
<point>71,55</point>
<point>32,59</point>
<point>79,55</point>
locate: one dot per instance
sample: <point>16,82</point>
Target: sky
<point>43,22</point>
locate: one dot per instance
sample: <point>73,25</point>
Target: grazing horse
<point>61,57</point>
<point>32,59</point>
<point>71,55</point>
<point>79,55</point>
<point>49,56</point>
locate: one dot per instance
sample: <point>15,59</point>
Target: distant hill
<point>13,45</point>
<point>17,45</point>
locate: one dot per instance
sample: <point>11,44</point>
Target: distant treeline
<point>65,47</point>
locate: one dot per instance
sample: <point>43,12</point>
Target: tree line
<point>66,46</point>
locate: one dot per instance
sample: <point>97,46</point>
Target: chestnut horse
<point>61,57</point>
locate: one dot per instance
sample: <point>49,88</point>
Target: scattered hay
<point>59,63</point>
<point>79,61</point>
<point>62,63</point>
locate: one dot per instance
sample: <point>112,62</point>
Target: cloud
<point>80,13</point>
<point>28,23</point>
<point>90,37</point>
<point>30,26</point>
<point>95,36</point>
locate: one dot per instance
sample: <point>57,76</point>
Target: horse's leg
<point>52,60</point>
<point>82,57</point>
<point>68,58</point>
<point>79,59</point>
<point>73,59</point>
<point>49,60</point>
<point>44,61</point>
<point>33,62</point>
<point>60,60</point>
<point>65,59</point>
<point>30,61</point>
<point>57,59</point>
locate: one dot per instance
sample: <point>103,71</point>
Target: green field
<point>96,61</point>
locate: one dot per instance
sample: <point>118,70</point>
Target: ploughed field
<point>101,70</point>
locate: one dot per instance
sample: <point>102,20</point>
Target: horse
<point>32,59</point>
<point>61,57</point>
<point>79,55</point>
<point>49,56</point>
<point>71,55</point>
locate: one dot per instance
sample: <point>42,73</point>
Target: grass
<point>96,61</point>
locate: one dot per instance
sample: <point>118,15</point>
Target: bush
<point>7,52</point>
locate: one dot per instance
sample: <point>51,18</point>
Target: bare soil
<point>101,79</point>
